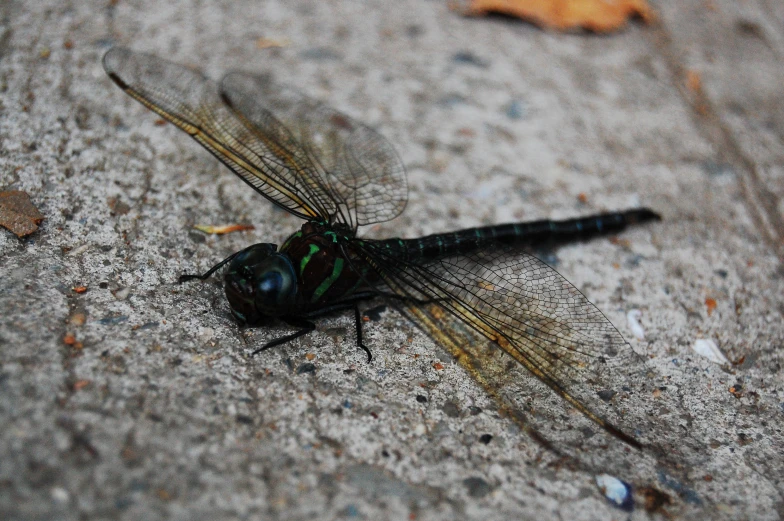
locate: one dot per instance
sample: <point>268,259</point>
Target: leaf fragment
<point>266,43</point>
<point>601,16</point>
<point>221,230</point>
<point>18,214</point>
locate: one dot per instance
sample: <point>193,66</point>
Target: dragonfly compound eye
<point>240,280</point>
<point>275,285</point>
<point>240,294</point>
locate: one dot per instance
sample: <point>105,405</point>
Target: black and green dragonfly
<point>339,175</point>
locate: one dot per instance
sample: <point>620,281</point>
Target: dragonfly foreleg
<point>306,326</point>
<point>349,303</point>
<point>192,276</point>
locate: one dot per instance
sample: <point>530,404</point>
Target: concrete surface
<point>137,398</point>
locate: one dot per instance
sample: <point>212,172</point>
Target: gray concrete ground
<point>137,398</point>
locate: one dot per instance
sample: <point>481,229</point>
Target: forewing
<point>361,168</point>
<point>263,157</point>
<point>535,315</point>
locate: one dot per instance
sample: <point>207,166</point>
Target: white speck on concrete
<point>60,495</point>
<point>708,348</point>
<point>613,489</point>
<point>633,319</point>
<point>78,251</point>
<point>122,293</point>
<point>206,334</point>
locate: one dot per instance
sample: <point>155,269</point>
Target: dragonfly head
<point>260,282</point>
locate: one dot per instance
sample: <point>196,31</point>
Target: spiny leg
<point>263,248</point>
<point>349,303</point>
<point>358,323</point>
<point>305,325</point>
<point>411,300</point>
<point>205,276</point>
<point>353,303</point>
<point>369,295</point>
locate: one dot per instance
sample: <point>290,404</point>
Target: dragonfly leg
<point>348,304</point>
<point>341,305</point>
<point>358,322</point>
<point>305,326</point>
<point>262,250</point>
<point>410,300</point>
<point>191,276</point>
<point>338,306</point>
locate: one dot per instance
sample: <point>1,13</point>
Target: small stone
<point>451,409</point>
<point>477,487</point>
<point>617,492</point>
<point>606,395</point>
<point>306,368</point>
<point>60,495</point>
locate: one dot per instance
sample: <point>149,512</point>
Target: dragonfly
<point>339,175</point>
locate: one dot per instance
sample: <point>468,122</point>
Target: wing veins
<point>231,158</point>
<point>540,355</point>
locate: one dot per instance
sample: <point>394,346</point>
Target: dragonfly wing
<point>265,158</point>
<point>536,316</point>
<point>360,167</point>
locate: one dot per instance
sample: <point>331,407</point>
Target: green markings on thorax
<point>314,249</point>
<point>326,283</point>
<point>288,241</point>
<point>337,268</point>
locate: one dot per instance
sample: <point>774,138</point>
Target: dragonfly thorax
<point>261,282</point>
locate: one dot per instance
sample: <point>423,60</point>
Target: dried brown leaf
<point>600,16</point>
<point>221,230</point>
<point>266,43</point>
<point>18,214</point>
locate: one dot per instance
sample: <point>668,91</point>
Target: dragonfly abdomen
<point>527,234</point>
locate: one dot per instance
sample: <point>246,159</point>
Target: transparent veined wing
<point>363,171</point>
<point>534,315</point>
<point>263,142</point>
